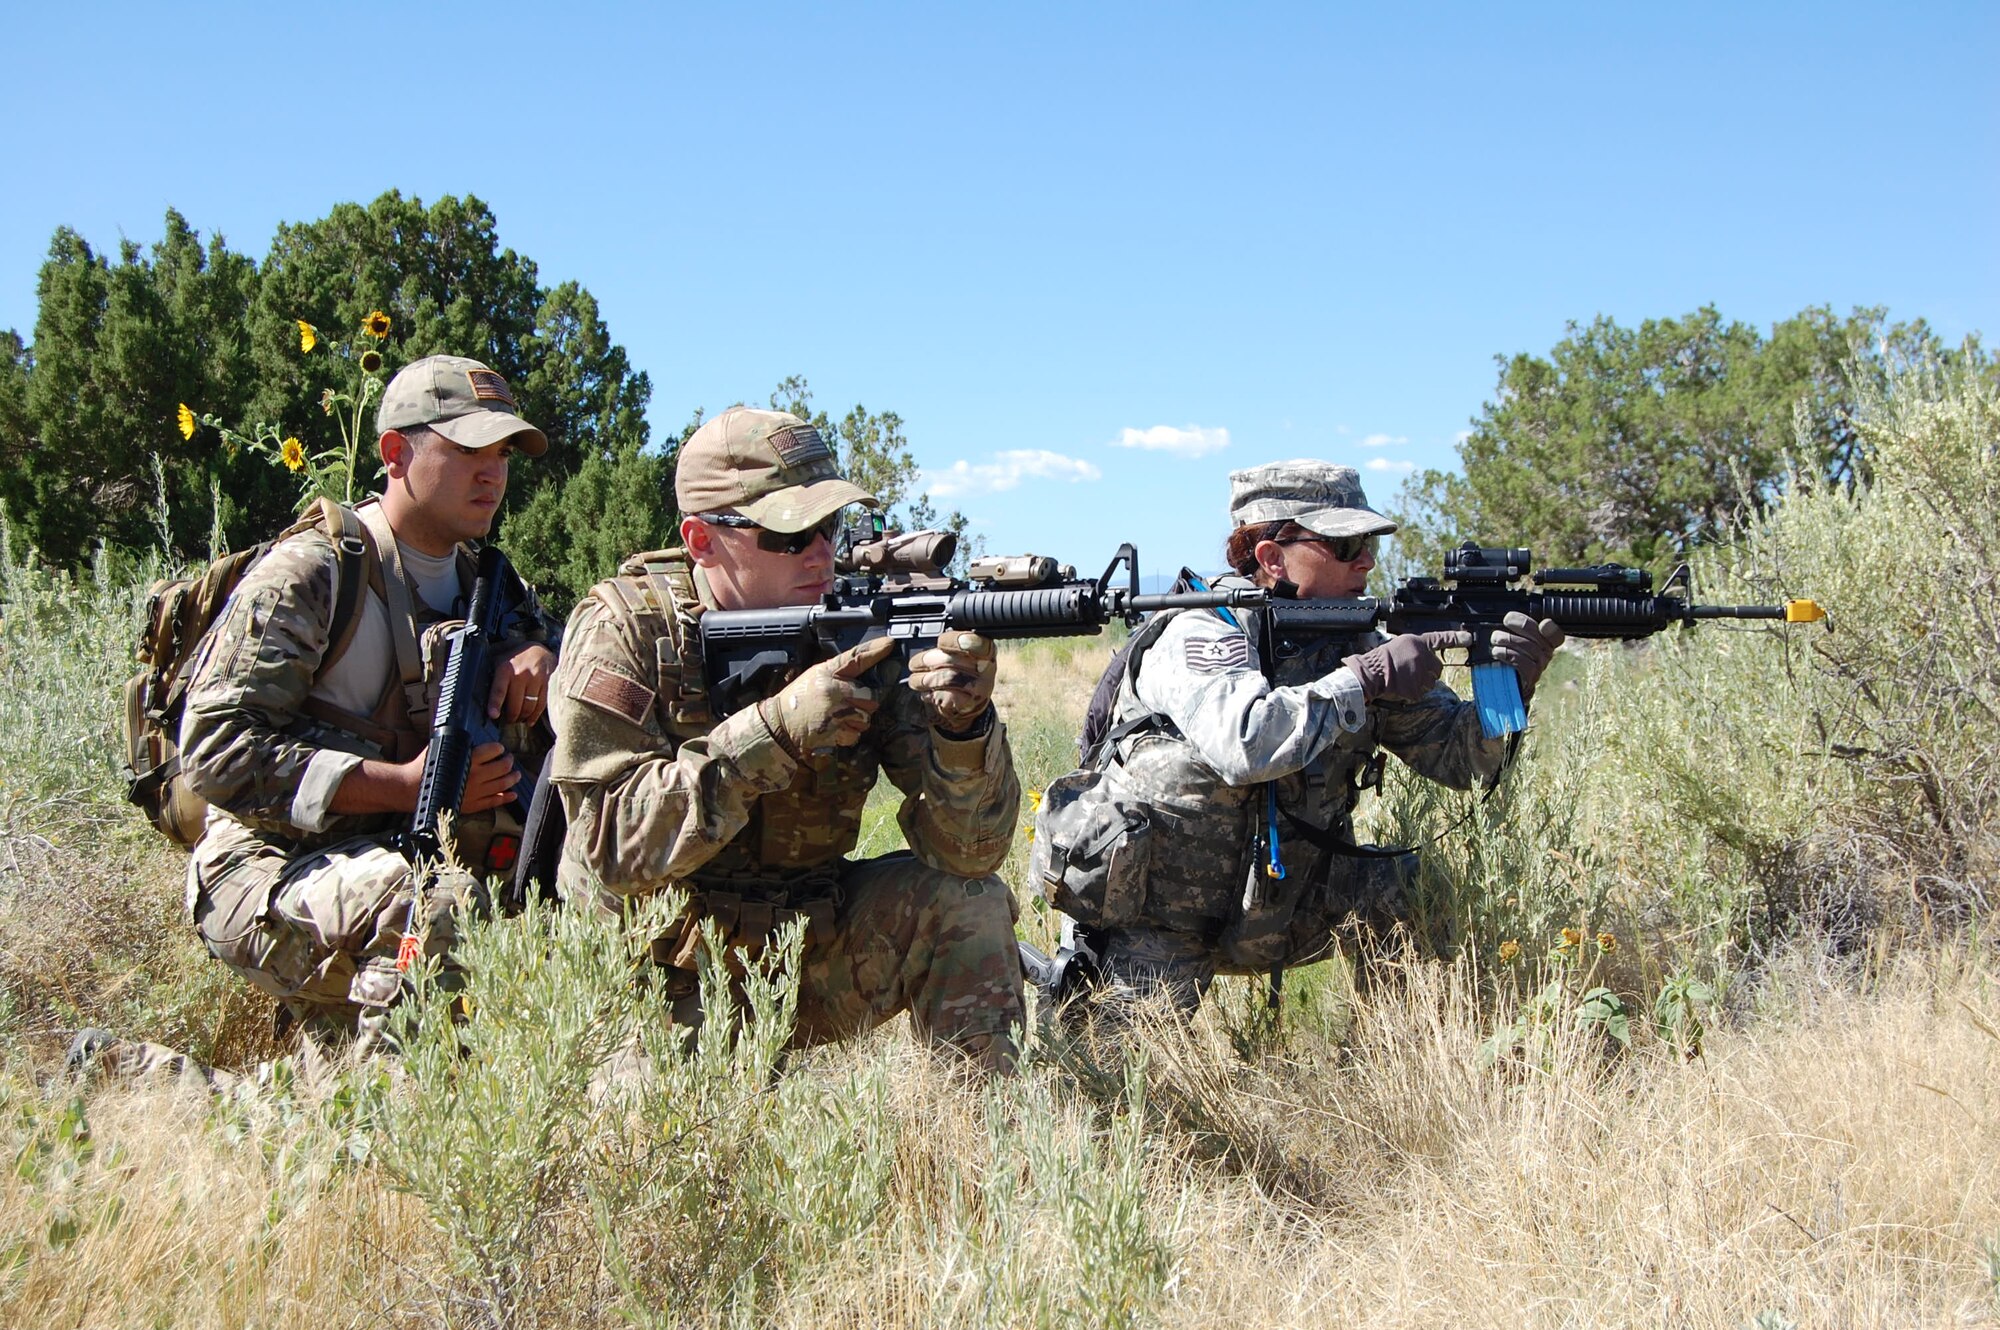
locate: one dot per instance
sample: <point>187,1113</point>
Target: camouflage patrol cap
<point>459,398</point>
<point>769,466</point>
<point>1323,498</point>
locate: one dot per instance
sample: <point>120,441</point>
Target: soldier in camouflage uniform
<point>754,813</point>
<point>1212,833</point>
<point>310,752</point>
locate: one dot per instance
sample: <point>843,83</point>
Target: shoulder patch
<point>1216,654</point>
<point>613,692</point>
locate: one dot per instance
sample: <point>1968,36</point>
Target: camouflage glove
<point>955,679</point>
<point>1406,666</point>
<point>824,707</point>
<point>1527,646</point>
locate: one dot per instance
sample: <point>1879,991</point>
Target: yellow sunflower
<point>294,454</point>
<point>376,325</point>
<point>371,361</point>
<point>1510,951</point>
<point>1606,943</point>
<point>308,335</point>
<point>185,419</point>
<point>1571,937</point>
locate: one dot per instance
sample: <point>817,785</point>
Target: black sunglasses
<point>1346,549</point>
<point>776,542</point>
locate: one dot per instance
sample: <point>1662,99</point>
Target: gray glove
<point>1527,646</point>
<point>1404,667</point>
<point>824,707</point>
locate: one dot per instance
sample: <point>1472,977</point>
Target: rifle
<point>460,724</point>
<point>900,590</point>
<point>1482,585</point>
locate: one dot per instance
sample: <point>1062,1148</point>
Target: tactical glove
<point>1527,646</point>
<point>824,707</point>
<point>1406,666</point>
<point>955,678</point>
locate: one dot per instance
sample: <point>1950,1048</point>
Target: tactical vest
<point>801,832</point>
<point>1147,834</point>
<point>397,728</point>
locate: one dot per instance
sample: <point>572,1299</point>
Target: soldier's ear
<point>698,538</point>
<point>1270,556</point>
<point>395,448</point>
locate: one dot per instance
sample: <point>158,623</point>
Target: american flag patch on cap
<point>1218,654</point>
<point>488,386</point>
<point>800,444</point>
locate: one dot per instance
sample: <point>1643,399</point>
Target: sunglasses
<point>1345,549</point>
<point>776,542</point>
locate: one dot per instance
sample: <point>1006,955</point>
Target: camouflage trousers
<point>893,936</point>
<point>318,930</point>
<point>1345,904</point>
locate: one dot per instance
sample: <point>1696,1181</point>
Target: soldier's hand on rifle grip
<point>490,780</point>
<point>1527,646</point>
<point>955,678</point>
<point>824,707</point>
<point>1406,666</point>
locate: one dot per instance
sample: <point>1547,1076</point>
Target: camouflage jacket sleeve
<point>1440,737</point>
<point>250,681</point>
<point>646,807</point>
<point>961,797</point>
<point>1204,675</point>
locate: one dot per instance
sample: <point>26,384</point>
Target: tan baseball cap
<point>459,398</point>
<point>770,466</point>
<point>1322,497</point>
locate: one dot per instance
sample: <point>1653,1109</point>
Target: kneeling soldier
<point>753,814</point>
<point>307,739</point>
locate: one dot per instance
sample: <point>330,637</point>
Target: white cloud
<point>1389,464</point>
<point>1384,441</point>
<point>1194,441</point>
<point>1005,472</point>
<point>1461,436</point>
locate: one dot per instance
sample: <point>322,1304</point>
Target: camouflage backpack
<point>178,614</point>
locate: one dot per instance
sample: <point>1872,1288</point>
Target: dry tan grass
<point>1835,1162</point>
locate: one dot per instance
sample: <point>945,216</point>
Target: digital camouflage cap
<point>460,399</point>
<point>770,466</point>
<point>1323,498</point>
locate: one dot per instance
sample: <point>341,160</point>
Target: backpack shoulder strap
<point>353,552</point>
<point>354,560</point>
<point>1100,736</point>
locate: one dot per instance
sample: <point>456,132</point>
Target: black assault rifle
<point>893,585</point>
<point>1481,586</point>
<point>460,723</point>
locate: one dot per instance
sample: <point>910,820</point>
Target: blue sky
<point>1096,257</point>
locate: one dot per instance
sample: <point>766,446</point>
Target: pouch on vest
<point>1359,887</point>
<point>1092,850</point>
